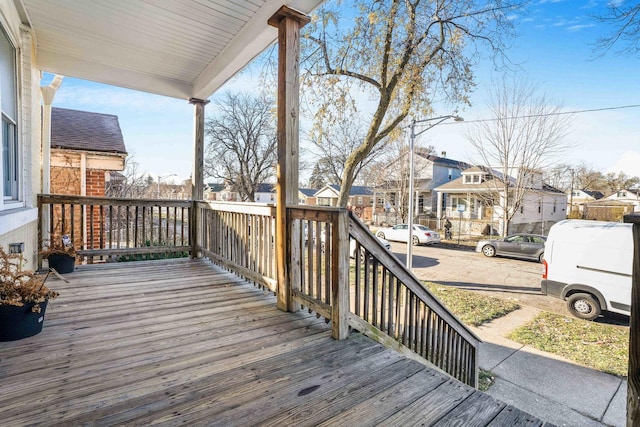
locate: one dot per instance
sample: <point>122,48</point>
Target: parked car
<point>589,264</point>
<point>527,246</point>
<point>400,233</point>
<point>352,246</point>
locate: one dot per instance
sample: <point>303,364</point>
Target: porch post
<point>289,22</point>
<point>197,177</point>
<point>340,276</point>
<point>633,384</point>
<point>47,92</point>
<point>439,209</point>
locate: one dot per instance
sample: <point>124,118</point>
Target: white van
<point>588,264</point>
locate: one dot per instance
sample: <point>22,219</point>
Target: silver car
<point>527,246</point>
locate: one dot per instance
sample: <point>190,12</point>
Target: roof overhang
<point>180,48</point>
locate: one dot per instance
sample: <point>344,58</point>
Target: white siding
<point>19,222</point>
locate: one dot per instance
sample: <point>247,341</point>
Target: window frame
<point>10,132</point>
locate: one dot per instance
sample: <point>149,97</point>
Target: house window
<point>476,179</point>
<point>455,201</point>
<point>622,194</point>
<point>554,206</point>
<point>10,164</point>
<point>359,201</point>
<point>467,179</point>
<point>521,209</point>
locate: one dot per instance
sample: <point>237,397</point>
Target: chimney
<point>443,154</point>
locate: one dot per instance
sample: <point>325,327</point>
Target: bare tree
<point>398,56</point>
<point>584,177</point>
<point>624,17</point>
<point>131,183</point>
<point>334,145</point>
<point>524,135</point>
<point>242,144</point>
<point>391,176</point>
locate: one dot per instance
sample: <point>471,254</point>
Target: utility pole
<point>571,195</point>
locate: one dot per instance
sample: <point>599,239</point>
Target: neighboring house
<point>220,193</point>
<point>430,172</point>
<point>306,196</point>
<point>630,196</point>
<point>579,198</point>
<point>85,148</point>
<point>360,199</point>
<point>359,196</point>
<point>473,198</point>
<point>175,191</point>
<point>265,193</point>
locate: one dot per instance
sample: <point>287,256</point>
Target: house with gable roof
<point>359,196</point>
<point>86,148</point>
<point>307,196</point>
<point>474,200</point>
<point>430,172</point>
<point>630,196</point>
<point>579,198</point>
<point>265,193</point>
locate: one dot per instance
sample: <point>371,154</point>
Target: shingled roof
<point>83,130</point>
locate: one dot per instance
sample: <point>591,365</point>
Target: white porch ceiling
<point>179,48</point>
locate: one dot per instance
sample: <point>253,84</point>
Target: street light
<point>163,177</point>
<point>412,139</point>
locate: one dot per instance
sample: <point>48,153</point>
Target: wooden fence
<point>104,228</point>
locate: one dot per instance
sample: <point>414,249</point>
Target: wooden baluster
<point>128,219</point>
<point>330,238</point>
<point>376,284</point>
<point>383,298</point>
<point>136,227</point>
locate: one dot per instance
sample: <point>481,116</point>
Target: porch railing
<point>240,237</point>
<point>385,300</point>
<point>103,228</point>
<point>373,292</point>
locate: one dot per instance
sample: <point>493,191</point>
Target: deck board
<point>183,342</point>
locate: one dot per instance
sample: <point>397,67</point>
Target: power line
<point>560,113</point>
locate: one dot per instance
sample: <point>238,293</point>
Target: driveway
<point>501,277</point>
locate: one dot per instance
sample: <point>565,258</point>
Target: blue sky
<point>554,49</point>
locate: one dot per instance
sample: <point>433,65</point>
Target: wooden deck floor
<point>182,342</point>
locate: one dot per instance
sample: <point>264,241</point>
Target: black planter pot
<point>62,263</point>
<point>20,322</point>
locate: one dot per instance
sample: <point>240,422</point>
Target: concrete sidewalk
<point>547,386</point>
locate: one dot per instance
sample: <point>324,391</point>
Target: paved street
<point>501,277</point>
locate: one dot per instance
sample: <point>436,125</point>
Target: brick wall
<point>95,187</point>
<point>66,180</point>
<point>95,182</point>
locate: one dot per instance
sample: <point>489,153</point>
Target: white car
<point>400,233</point>
<point>352,246</point>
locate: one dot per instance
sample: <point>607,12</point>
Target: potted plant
<point>23,299</point>
<point>60,254</point>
